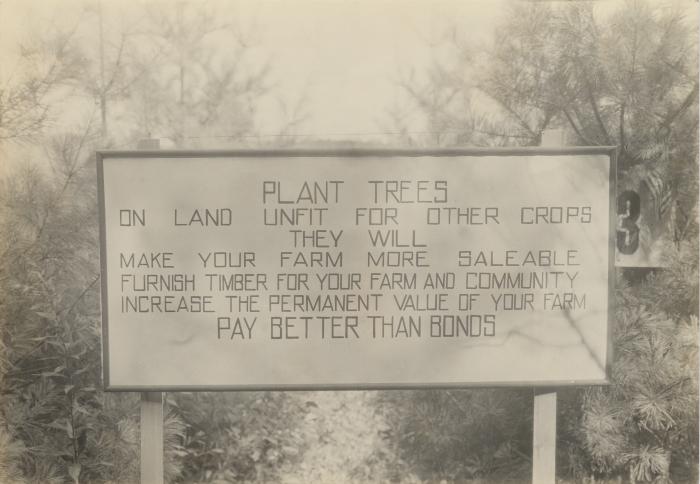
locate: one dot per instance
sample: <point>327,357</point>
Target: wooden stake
<point>151,438</point>
<point>544,437</point>
<point>544,419</point>
<point>151,407</point>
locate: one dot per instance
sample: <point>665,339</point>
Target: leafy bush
<point>56,424</point>
<point>52,405</point>
<point>645,425</point>
<point>248,436</point>
<point>461,434</point>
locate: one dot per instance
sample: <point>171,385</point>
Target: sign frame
<point>102,155</point>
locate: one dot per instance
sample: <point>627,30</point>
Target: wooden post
<point>544,419</point>
<point>151,407</point>
<point>544,436</point>
<point>151,438</point>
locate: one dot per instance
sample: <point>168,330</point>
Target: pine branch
<point>578,132</point>
<point>665,126</point>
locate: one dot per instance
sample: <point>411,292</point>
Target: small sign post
<point>151,438</point>
<point>544,436</point>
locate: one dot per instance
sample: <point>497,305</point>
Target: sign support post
<point>544,436</point>
<point>544,418</point>
<point>151,438</point>
<point>151,409</point>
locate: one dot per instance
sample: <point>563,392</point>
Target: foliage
<point>458,435</point>
<point>645,425</point>
<point>52,405</point>
<point>628,78</point>
<point>46,65</point>
<point>238,436</point>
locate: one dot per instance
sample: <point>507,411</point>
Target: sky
<point>349,54</point>
<point>342,56</point>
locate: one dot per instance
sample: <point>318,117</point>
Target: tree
<point>112,65</point>
<point>30,87</point>
<point>203,82</point>
<point>645,426</point>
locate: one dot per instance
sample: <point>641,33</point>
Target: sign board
<point>357,269</point>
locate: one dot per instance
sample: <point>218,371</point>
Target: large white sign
<point>355,270</point>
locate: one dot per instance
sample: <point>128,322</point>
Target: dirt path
<point>343,432</point>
